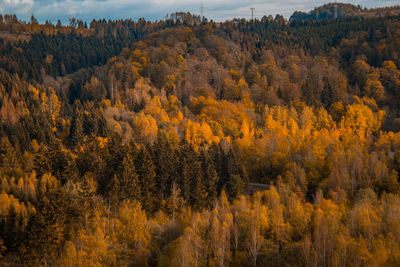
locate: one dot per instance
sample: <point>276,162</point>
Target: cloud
<point>218,10</point>
<point>16,6</point>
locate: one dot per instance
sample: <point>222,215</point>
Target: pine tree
<point>130,188</point>
<point>210,177</point>
<point>113,191</point>
<point>237,176</point>
<point>112,157</point>
<point>166,162</point>
<point>198,191</point>
<point>77,131</point>
<point>45,231</point>
<point>147,180</point>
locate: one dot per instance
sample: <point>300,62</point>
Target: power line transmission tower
<point>252,13</point>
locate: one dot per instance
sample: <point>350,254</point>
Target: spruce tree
<point>210,177</point>
<point>147,179</point>
<point>130,188</point>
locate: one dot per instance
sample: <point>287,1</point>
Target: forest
<point>140,143</point>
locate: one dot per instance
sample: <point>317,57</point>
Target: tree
<point>130,188</point>
<point>327,224</point>
<point>147,175</point>
<point>258,225</point>
<point>132,232</point>
<point>77,133</point>
<point>221,222</point>
<point>210,177</point>
<point>45,231</point>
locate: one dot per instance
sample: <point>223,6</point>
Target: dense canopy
<point>192,143</point>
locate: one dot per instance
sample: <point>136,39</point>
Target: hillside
<point>343,10</point>
<point>192,143</point>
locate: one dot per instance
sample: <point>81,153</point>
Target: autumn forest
<point>189,142</point>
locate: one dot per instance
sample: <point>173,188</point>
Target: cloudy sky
<point>218,10</point>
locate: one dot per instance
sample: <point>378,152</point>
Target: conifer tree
<point>130,188</point>
<point>147,179</point>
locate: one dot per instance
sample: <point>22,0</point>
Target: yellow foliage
<point>92,248</point>
<point>106,102</point>
<point>48,183</point>
<point>102,141</point>
<point>35,92</point>
<point>389,64</point>
<point>131,227</point>
<point>4,204</point>
<point>155,109</point>
<point>146,126</point>
<point>198,134</point>
<point>118,104</point>
<point>361,120</point>
<point>228,115</point>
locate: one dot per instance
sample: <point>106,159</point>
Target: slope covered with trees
<point>137,146</point>
<point>343,10</point>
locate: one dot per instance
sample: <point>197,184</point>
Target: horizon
<point>155,10</point>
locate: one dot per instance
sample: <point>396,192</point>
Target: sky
<point>217,10</point>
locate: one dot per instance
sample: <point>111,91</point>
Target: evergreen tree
<point>45,230</point>
<point>77,132</point>
<point>130,188</point>
<point>167,162</point>
<point>210,178</point>
<point>147,180</point>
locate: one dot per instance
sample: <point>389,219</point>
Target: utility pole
<point>252,13</point>
<point>202,12</point>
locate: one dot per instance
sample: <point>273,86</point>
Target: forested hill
<point>132,143</point>
<point>342,10</point>
<point>32,50</point>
